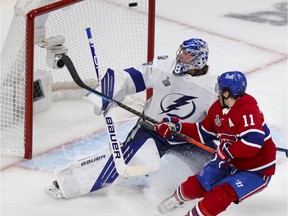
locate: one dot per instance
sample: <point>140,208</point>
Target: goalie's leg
<point>96,172</point>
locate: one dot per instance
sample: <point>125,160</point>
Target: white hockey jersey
<point>182,96</point>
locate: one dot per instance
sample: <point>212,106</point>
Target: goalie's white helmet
<point>198,49</point>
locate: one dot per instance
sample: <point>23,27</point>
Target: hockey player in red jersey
<point>244,160</point>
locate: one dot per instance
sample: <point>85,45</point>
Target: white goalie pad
<point>95,172</point>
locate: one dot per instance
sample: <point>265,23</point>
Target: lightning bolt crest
<point>178,103</point>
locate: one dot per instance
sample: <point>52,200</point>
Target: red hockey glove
<point>164,128</point>
<point>222,151</point>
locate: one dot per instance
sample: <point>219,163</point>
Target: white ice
<point>258,49</point>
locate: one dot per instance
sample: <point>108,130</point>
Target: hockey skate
<point>54,190</point>
<point>169,204</point>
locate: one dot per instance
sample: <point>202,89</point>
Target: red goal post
<point>123,36</point>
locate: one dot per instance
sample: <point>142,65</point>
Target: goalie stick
<point>71,68</point>
<point>121,167</point>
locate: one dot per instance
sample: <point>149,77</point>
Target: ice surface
<point>256,45</point>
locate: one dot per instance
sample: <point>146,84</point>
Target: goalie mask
<point>198,49</point>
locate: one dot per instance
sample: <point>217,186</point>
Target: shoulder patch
<point>163,57</point>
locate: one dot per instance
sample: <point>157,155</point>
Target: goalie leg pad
<point>93,173</point>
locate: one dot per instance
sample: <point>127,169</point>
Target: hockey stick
<point>283,150</point>
<point>121,167</point>
<point>92,48</point>
<point>70,66</point>
<point>149,126</point>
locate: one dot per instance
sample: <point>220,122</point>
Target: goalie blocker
<point>93,173</point>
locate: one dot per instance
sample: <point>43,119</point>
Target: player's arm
<point>201,131</point>
<point>118,84</point>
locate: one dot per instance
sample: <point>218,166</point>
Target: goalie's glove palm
<point>165,127</point>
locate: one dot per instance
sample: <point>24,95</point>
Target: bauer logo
<point>113,139</point>
<point>91,160</point>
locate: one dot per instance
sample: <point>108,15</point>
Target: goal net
<point>43,30</point>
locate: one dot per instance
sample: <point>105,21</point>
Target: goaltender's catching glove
<point>166,125</point>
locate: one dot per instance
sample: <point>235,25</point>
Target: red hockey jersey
<point>243,124</point>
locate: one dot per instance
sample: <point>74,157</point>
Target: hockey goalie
<point>183,90</point>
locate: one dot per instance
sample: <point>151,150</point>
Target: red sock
<point>217,200</point>
<point>191,189</point>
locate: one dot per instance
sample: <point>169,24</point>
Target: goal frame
<point>29,67</point>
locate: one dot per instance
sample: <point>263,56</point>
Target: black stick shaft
<point>72,70</point>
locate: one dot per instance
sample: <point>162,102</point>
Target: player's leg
<point>215,201</point>
<point>188,190</point>
<point>195,186</point>
<point>233,188</point>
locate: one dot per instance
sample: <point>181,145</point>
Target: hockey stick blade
<point>136,171</point>
<point>131,171</point>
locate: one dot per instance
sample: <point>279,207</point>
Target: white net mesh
<point>120,39</point>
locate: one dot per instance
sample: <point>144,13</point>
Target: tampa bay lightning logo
<point>179,101</point>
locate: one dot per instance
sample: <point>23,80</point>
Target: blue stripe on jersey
<point>253,138</point>
<point>266,130</point>
<point>137,79</point>
<point>264,167</point>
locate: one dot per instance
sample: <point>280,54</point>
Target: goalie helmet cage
<point>123,33</point>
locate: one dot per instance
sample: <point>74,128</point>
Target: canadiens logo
<point>166,82</point>
<point>218,121</point>
<point>183,106</point>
